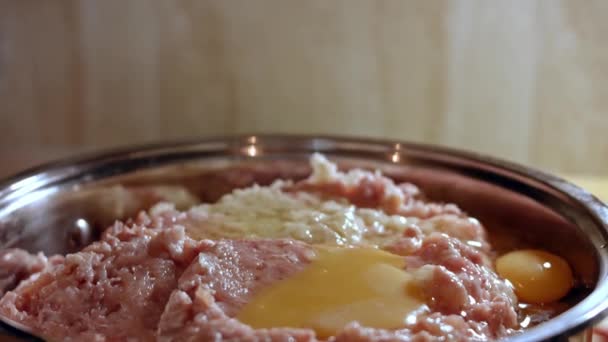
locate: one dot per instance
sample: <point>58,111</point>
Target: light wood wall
<point>521,79</point>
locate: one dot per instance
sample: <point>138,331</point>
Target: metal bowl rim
<point>566,324</point>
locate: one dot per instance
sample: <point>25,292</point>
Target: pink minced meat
<point>17,265</point>
<point>114,289</point>
<point>146,280</point>
<point>466,299</point>
<point>221,281</point>
<point>373,190</point>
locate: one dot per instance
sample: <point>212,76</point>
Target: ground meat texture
<point>221,280</point>
<point>469,231</point>
<point>466,300</point>
<point>147,280</point>
<point>115,289</point>
<point>17,265</point>
<point>368,189</point>
<point>457,280</point>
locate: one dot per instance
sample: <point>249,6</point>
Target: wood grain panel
<point>196,79</point>
<point>491,76</point>
<point>572,91</point>
<point>120,61</point>
<point>524,80</point>
<point>308,66</point>
<point>37,59</point>
<point>410,45</point>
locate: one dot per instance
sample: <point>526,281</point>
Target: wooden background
<point>525,80</point>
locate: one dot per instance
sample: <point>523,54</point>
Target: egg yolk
<point>537,276</point>
<point>341,285</point>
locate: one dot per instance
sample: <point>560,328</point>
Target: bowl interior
<point>60,208</point>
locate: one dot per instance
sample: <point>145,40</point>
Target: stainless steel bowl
<point>60,207</point>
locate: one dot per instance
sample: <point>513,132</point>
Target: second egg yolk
<point>537,276</point>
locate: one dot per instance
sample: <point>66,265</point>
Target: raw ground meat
<point>466,300</point>
<point>147,280</point>
<point>221,281</point>
<point>114,289</point>
<point>370,190</point>
<point>17,265</point>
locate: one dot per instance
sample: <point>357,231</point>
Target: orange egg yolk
<point>341,285</point>
<point>537,276</point>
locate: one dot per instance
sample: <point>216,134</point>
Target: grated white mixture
<point>270,212</point>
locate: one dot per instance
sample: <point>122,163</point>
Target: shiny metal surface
<point>60,207</point>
